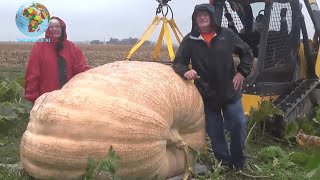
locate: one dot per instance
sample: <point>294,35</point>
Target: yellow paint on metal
<point>317,70</point>
<point>303,62</point>
<point>175,30</point>
<point>252,101</point>
<point>155,19</point>
<point>312,1</point>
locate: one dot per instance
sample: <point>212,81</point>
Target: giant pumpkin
<point>143,109</point>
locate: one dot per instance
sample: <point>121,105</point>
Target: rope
<point>180,144</point>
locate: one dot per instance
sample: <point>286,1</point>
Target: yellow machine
<point>286,68</point>
<point>287,65</point>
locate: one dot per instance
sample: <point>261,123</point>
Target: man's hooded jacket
<point>214,64</point>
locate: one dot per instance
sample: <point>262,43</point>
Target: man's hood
<point>208,7</point>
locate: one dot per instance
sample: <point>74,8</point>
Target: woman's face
<point>55,28</point>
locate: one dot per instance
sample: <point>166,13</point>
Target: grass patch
<point>9,151</point>
<point>267,158</point>
<point>12,174</point>
<point>11,72</point>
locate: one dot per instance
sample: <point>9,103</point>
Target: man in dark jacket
<point>210,49</point>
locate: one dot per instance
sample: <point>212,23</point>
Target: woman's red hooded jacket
<point>42,74</point>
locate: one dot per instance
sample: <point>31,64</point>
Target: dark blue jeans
<point>230,117</point>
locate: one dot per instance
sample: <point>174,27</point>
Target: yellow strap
<point>157,49</point>
<point>168,38</point>
<point>175,25</point>
<point>155,19</point>
<point>147,34</point>
<point>176,30</point>
<point>165,32</point>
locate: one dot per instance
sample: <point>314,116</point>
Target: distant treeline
<point>115,41</point>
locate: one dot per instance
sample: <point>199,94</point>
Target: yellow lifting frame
<point>165,33</point>
<point>318,65</point>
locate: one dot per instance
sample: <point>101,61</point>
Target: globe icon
<point>32,19</point>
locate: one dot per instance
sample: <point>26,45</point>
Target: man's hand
<point>191,75</point>
<point>238,81</point>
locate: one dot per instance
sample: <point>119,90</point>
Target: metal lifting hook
<point>164,8</point>
<point>163,2</point>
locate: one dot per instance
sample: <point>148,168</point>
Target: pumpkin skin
<point>140,108</point>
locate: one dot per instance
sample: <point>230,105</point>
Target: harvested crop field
<point>16,54</point>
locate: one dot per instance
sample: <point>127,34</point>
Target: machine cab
<point>272,30</point>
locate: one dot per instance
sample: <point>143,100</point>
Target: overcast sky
<point>99,19</point>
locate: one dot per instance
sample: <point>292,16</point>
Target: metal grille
<point>234,15</point>
<point>277,49</point>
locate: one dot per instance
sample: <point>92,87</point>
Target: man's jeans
<point>231,117</point>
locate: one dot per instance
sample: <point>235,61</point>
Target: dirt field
<point>16,54</point>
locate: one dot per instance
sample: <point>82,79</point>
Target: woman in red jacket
<point>53,61</point>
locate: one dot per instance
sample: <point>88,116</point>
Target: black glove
<point>228,16</point>
<point>283,12</point>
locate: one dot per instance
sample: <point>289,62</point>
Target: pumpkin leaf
<point>307,126</point>
<point>112,154</point>
<point>291,130</point>
<point>111,163</point>
<point>266,110</point>
<point>108,165</point>
<point>314,161</point>
<point>286,163</point>
<point>10,91</point>
<point>7,111</point>
<point>23,108</point>
<point>20,80</point>
<point>269,153</point>
<point>316,119</point>
<point>314,174</point>
<point>116,177</point>
<point>89,170</point>
<point>299,158</point>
